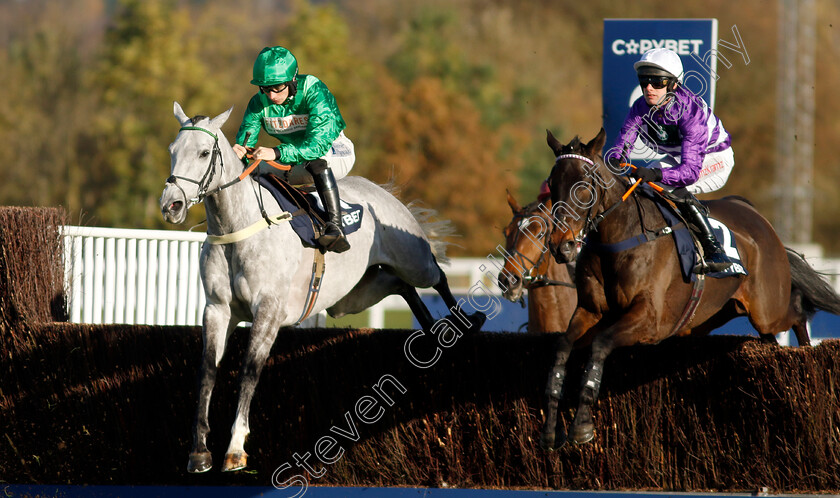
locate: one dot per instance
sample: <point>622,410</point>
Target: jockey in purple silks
<point>673,121</point>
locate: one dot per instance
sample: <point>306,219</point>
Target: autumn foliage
<point>450,98</point>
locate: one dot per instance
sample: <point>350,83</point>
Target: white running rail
<point>152,277</point>
<point>130,276</point>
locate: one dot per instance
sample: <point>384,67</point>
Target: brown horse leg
<point>583,428</point>
<point>800,316</point>
<point>800,328</point>
<point>552,434</point>
<point>637,325</point>
<point>582,322</point>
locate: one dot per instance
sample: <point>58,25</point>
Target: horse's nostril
<point>506,280</point>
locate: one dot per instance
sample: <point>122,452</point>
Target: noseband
<point>529,279</point>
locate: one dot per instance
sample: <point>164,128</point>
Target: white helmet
<point>661,59</point>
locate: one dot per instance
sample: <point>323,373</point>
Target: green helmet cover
<point>274,65</point>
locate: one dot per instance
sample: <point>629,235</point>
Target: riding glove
<point>647,174</point>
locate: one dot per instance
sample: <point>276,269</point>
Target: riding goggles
<point>657,82</point>
<point>273,88</point>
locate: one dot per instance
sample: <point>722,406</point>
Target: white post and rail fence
<point>151,277</point>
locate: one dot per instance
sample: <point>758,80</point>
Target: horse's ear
<point>514,206</point>
<point>596,144</point>
<point>180,115</point>
<point>219,120</point>
<point>553,143</point>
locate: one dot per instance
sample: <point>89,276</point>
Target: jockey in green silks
<point>301,112</point>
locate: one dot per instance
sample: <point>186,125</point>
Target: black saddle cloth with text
<point>307,212</point>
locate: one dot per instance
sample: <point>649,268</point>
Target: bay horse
<point>552,296</point>
<point>255,268</point>
<point>638,295</point>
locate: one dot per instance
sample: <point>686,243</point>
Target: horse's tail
<point>436,230</point>
<point>817,293</point>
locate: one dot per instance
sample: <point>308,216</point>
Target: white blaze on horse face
<point>535,235</point>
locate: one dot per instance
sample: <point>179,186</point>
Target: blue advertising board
<point>625,40</point>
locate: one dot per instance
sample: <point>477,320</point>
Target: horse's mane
<point>533,206</point>
<point>198,118</point>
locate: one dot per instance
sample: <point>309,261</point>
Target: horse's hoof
<point>550,442</point>
<point>200,462</point>
<point>583,433</point>
<point>547,441</point>
<point>235,461</point>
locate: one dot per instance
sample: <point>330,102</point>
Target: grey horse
<point>255,268</point>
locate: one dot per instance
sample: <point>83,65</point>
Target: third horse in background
<point>552,296</point>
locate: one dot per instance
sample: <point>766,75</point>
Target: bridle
<point>207,177</point>
<point>266,221</point>
<point>591,222</point>
<point>529,278</point>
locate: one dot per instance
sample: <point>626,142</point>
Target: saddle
<point>689,249</point>
<point>308,214</point>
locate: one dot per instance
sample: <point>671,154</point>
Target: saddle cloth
<point>687,249</point>
<point>307,211</point>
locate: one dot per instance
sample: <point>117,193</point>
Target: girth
<point>634,241</point>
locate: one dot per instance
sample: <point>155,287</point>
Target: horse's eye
<point>205,153</point>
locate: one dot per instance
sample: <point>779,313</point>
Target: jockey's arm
<point>325,123</point>
<point>250,127</point>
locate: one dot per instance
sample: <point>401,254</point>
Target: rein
<point>207,178</point>
<point>592,222</point>
<point>204,183</point>
<point>318,265</point>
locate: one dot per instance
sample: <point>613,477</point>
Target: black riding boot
<point>715,259</point>
<point>333,238</point>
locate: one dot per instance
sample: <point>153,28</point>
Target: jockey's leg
<point>333,238</point>
<point>715,258</point>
